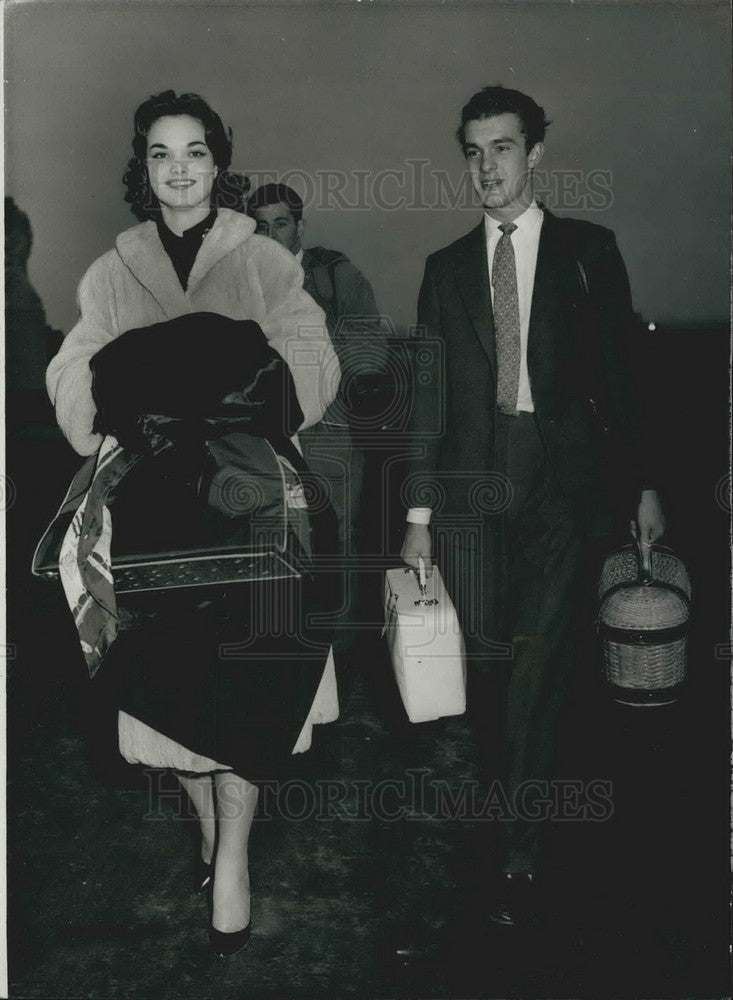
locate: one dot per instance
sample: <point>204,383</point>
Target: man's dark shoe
<point>513,900</point>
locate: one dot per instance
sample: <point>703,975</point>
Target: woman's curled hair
<point>230,188</point>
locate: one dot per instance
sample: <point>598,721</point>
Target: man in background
<point>354,324</point>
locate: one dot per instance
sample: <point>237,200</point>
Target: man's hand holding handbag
<point>425,643</point>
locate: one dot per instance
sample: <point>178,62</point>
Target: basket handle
<point>644,556</point>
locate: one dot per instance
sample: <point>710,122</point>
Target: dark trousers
<point>329,452</point>
<point>516,593</point>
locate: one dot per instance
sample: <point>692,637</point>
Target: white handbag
<point>425,644</point>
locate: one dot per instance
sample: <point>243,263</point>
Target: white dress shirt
<point>525,241</point>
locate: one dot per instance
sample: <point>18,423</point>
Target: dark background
<point>639,91</point>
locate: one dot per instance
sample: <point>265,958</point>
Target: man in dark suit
<point>528,321</point>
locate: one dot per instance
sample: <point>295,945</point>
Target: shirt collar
<point>530,217</point>
<point>299,256</point>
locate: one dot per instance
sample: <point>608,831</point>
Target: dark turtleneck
<point>182,250</point>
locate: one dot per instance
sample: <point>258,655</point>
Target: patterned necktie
<point>506,321</point>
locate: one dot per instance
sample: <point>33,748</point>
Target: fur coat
<point>236,274</point>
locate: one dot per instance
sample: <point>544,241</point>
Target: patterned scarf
<point>85,560</point>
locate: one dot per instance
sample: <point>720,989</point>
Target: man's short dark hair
<point>273,194</point>
<point>498,100</point>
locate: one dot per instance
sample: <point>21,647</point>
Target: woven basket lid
<point>622,566</point>
<point>641,607</point>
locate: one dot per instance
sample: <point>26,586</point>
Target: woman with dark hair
<point>229,189</point>
<point>194,256</point>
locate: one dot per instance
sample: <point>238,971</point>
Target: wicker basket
<point>643,618</point>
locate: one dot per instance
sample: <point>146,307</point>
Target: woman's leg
<point>200,790</point>
<point>236,801</point>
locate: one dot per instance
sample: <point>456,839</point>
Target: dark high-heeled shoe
<point>225,944</point>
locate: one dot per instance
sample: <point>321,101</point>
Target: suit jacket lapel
<point>545,295</point>
<point>472,279</point>
<point>542,287</point>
